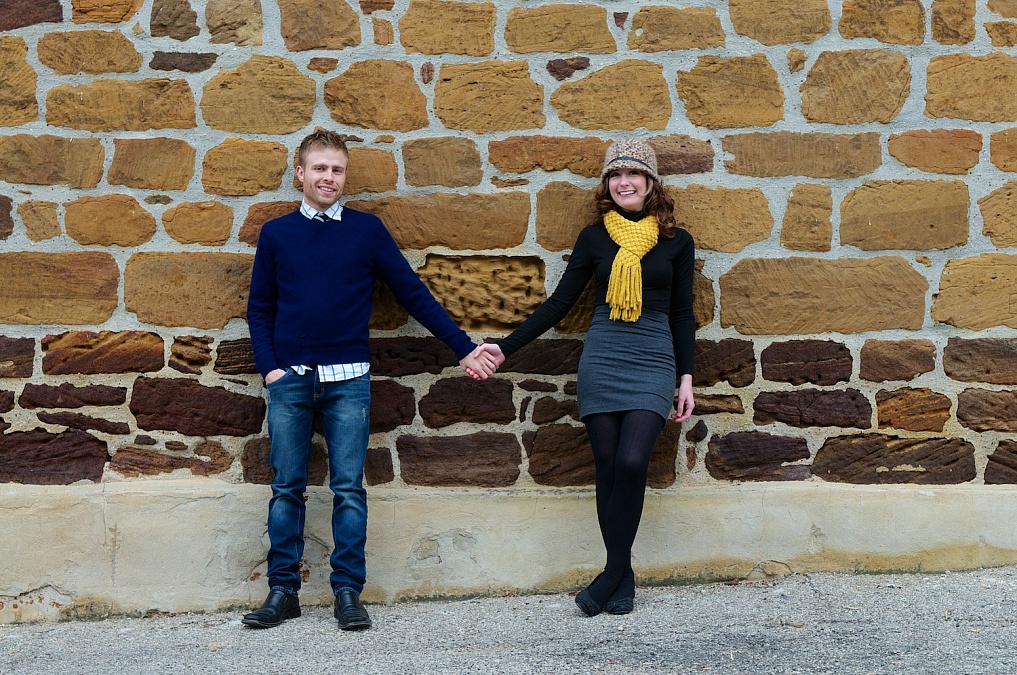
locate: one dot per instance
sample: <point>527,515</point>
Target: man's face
<point>323,174</point>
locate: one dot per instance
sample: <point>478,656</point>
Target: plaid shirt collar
<point>335,212</point>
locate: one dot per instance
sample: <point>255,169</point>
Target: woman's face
<point>628,188</point>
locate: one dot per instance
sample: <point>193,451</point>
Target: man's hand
<point>483,361</point>
<point>686,403</point>
<point>274,375</point>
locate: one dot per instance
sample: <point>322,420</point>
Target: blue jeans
<point>344,406</point>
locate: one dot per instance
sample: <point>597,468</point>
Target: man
<point>308,312</point>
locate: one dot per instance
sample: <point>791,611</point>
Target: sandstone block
<point>441,26</point>
<point>521,154</point>
<point>813,408</point>
<point>236,21</point>
<point>237,167</point>
<point>897,22</point>
<point>77,287</point>
<point>371,170</point>
<point>807,224</point>
<point>952,151</point>
<point>185,62</point>
<point>559,28</point>
<point>630,94</point>
<point>882,460</point>
<point>483,459</point>
<point>728,359</point>
<point>68,395</point>
<point>999,219</point>
<point>323,64</point>
<point>91,353</point>
<point>392,405</point>
<point>89,51</point>
<point>965,86</point>
<point>1007,8</point>
<point>207,223</point>
<point>883,360</point>
<point>258,470</point>
<point>17,358</point>
<point>821,362</point>
<point>537,385</point>
<point>234,357</point>
<point>712,404</point>
<point>912,409</point>
<point>661,473</point>
<point>259,214</point>
<point>318,24</point>
<point>378,468</point>
<point>786,153</point>
<point>1002,33</point>
<point>905,214</point>
<point>51,160</point>
<point>265,95</point>
<point>546,357</point>
<point>132,462</point>
<point>562,211</point>
<point>384,33</point>
<point>21,13</point>
<point>448,161</point>
<point>203,290</point>
<point>548,409</point>
<point>992,360</point>
<point>40,219</point>
<point>975,293</point>
<point>463,399</point>
<point>103,11</point>
<point>84,422</point>
<point>661,29</point>
<point>6,402</point>
<point>6,217</point>
<point>953,21</point>
<point>855,86</point>
<point>475,221</point>
<point>129,105</point>
<point>377,94</point>
<point>42,458</point>
<point>488,96</point>
<point>152,163</point>
<point>1002,465</point>
<point>680,154</point>
<point>725,93</point>
<point>796,59</point>
<point>563,69</point>
<point>400,356</point>
<point>846,295</point>
<point>386,312</point>
<point>1003,149</point>
<point>109,220</point>
<point>190,353</point>
<point>173,18</point>
<point>754,455</point>
<point>984,410</point>
<point>723,219</point>
<point>183,405</point>
<point>775,22</point>
<point>560,456</point>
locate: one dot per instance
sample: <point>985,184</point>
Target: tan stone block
<point>905,214</point>
<point>265,95</point>
<point>488,96</point>
<point>377,94</point>
<point>953,21</point>
<point>448,161</point>
<point>786,153</point>
<point>108,105</point>
<point>322,64</point>
<point>58,288</point>
<point>259,214</point>
<point>482,293</point>
<point>1007,8</point>
<point>521,154</point>
<point>999,215</point>
<point>681,154</point>
<point>109,220</point>
<point>203,290</point>
<point>371,170</point>
<point>152,163</point>
<point>476,221</point>
<point>1003,149</point>
<point>236,21</point>
<point>897,22</point>
<point>856,86</point>
<point>17,83</point>
<point>207,223</point>
<point>384,33</point>
<point>89,51</point>
<point>796,59</point>
<point>802,296</point>
<point>103,11</point>
<point>967,87</point>
<point>952,151</point>
<point>912,409</point>
<point>562,211</point>
<point>40,218</point>
<point>51,160</point>
<point>775,22</point>
<point>703,296</point>
<point>238,167</point>
<point>174,19</point>
<point>807,222</point>
<point>739,91</point>
<point>977,293</point>
<point>630,94</point>
<point>1002,33</point>
<point>318,24</point>
<point>440,27</point>
<point>661,29</point>
<point>559,28</point>
<point>723,219</point>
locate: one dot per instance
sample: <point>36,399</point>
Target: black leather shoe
<point>349,611</point>
<point>278,607</point>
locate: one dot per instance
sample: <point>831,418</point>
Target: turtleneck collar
<point>634,216</point>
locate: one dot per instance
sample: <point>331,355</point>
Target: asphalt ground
<point>963,622</point>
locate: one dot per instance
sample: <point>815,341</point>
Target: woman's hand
<point>483,361</point>
<point>686,403</point>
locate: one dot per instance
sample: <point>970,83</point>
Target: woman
<point>642,334</point>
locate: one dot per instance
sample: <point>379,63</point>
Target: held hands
<point>483,361</point>
<point>686,403</point>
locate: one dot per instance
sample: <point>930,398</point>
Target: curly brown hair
<point>321,139</point>
<point>658,203</point>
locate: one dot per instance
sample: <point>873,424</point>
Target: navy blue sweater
<point>312,289</point>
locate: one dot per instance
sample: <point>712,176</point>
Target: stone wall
<point>846,168</point>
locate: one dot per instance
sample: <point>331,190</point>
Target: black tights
<point>622,443</point>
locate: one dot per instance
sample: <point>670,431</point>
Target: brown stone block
<point>883,460</point>
<point>42,458</point>
<point>728,359</point>
<point>448,161</point>
<point>58,288</point>
<point>991,360</point>
<point>130,105</point>
<point>371,6</point>
<point>207,223</point>
<point>856,86</point>
<point>847,295</point>
<point>152,163</point>
<point>661,473</point>
<point>109,220</point>
<point>698,433</point>
<point>392,405</point>
<point>522,154</point>
<point>548,409</point>
<point>463,399</point>
<point>725,93</point>
<point>966,87</point>
<point>754,455</point>
<point>821,362</point>
<point>6,219</point>
<point>259,214</point>
<point>323,64</point>
<point>680,154</point>
<point>896,22</point>
<point>483,459</point>
<point>18,104</point>
<point>103,11</point>
<point>786,153</point>
<point>236,21</point>
<point>975,293</point>
<point>807,224</point>
<point>51,160</point>
<point>384,33</point>
<point>984,410</point>
<point>883,360</point>
<point>203,290</point>
<point>558,28</point>
<point>482,293</point>
<point>92,353</point>
<point>184,62</point>
<point>386,312</point>
<point>237,167</point>
<point>561,456</point>
<point>546,357</point>
<point>84,422</point>
<point>378,468</point>
<point>952,151</point>
<point>377,94</point>
<point>662,29</point>
<point>775,22</point>
<point>563,69</point>
<point>703,297</point>
<point>400,356</point>
<point>21,13</point>
<point>371,170</point>
<point>68,395</point>
<point>814,408</point>
<point>723,219</point>
<point>538,385</point>
<point>474,221</point>
<point>444,27</point>
<point>190,353</point>
<point>184,405</point>
<point>712,404</point>
<point>1001,469</point>
<point>40,218</point>
<point>6,401</point>
<point>628,95</point>
<point>17,357</point>
<point>1002,33</point>
<point>562,211</point>
<point>257,469</point>
<point>234,357</point>
<point>488,96</point>
<point>999,215</point>
<point>174,19</point>
<point>912,409</point>
<point>318,24</point>
<point>265,95</point>
<point>953,22</point>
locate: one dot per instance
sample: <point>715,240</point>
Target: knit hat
<point>630,154</point>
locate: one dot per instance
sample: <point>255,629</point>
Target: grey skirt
<point>627,365</point>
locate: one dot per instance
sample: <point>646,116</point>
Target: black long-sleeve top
<point>667,287</point>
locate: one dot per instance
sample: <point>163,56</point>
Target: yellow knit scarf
<point>625,287</point>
